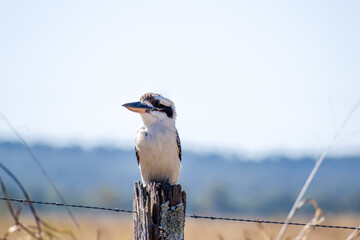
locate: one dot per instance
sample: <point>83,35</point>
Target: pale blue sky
<point>246,76</point>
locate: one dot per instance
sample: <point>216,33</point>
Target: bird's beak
<point>137,107</point>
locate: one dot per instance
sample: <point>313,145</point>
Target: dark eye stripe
<point>168,110</point>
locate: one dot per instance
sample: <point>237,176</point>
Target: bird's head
<point>153,108</point>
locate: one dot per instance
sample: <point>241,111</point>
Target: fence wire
<point>67,205</point>
<point>188,216</point>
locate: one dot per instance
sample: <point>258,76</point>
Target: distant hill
<point>214,183</point>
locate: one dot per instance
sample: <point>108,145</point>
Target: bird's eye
<point>156,103</point>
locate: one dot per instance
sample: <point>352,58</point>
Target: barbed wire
<point>269,222</point>
<point>188,216</point>
<point>67,205</point>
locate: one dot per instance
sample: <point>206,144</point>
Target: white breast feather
<point>158,154</point>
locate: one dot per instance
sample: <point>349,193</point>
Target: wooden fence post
<point>159,212</point>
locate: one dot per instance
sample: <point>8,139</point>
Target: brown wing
<point>178,144</point>
<point>137,155</point>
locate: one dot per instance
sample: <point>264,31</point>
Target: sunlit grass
<point>120,226</point>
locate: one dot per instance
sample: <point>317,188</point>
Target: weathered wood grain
<point>159,211</point>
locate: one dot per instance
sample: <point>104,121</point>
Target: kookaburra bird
<point>157,142</point>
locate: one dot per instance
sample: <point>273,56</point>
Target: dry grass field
<point>119,227</point>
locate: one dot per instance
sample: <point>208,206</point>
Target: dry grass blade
<point>314,171</point>
<point>54,229</point>
<point>50,231</point>
<point>38,163</point>
<point>19,209</point>
<point>9,204</point>
<point>26,195</point>
<point>98,234</point>
<point>15,216</point>
<point>50,236</point>
<point>355,234</point>
<point>317,219</point>
<point>11,230</point>
<point>41,230</point>
<point>20,227</point>
<point>246,235</point>
<point>263,231</point>
<point>302,192</point>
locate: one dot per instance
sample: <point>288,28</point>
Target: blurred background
<point>261,89</point>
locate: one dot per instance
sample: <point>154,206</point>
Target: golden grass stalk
<point>355,234</point>
<point>263,231</point>
<point>41,230</point>
<point>317,219</point>
<point>44,172</point>
<point>314,171</point>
